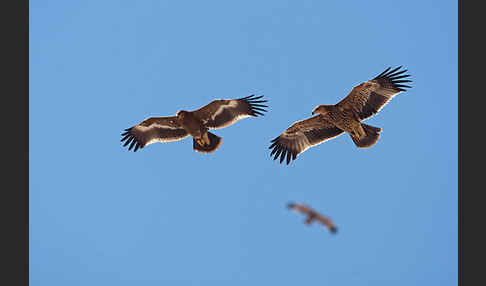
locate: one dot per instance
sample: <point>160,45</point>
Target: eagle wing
<point>153,129</point>
<point>326,222</point>
<point>301,136</point>
<point>368,98</point>
<point>300,208</point>
<point>224,112</point>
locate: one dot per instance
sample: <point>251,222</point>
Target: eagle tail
<point>214,143</point>
<point>372,136</point>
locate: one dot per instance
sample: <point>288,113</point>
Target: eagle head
<point>320,109</point>
<point>180,114</point>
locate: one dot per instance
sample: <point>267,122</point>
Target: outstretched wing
<point>327,222</point>
<point>369,97</point>
<point>301,208</point>
<point>312,214</point>
<point>224,112</point>
<point>301,136</point>
<point>152,130</point>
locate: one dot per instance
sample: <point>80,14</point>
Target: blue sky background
<point>166,215</point>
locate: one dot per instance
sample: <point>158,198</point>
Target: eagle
<point>217,114</point>
<point>312,215</point>
<point>364,100</point>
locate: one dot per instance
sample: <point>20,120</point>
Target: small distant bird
<point>217,114</point>
<point>312,215</point>
<point>361,103</point>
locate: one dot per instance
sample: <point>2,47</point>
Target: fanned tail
<point>372,136</point>
<point>215,142</point>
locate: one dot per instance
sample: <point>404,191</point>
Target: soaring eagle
<point>217,114</point>
<point>312,215</point>
<point>361,103</point>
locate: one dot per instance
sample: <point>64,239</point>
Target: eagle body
<point>312,215</point>
<point>203,141</point>
<point>310,218</point>
<point>215,115</point>
<point>346,116</point>
<point>344,119</point>
<point>193,125</point>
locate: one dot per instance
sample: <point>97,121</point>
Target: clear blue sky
<point>166,215</point>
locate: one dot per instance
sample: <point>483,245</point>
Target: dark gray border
<point>15,143</point>
<point>470,160</point>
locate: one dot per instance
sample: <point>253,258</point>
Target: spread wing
<point>327,222</point>
<point>301,208</point>
<point>313,215</point>
<point>224,112</point>
<point>370,97</point>
<point>301,136</point>
<point>153,129</point>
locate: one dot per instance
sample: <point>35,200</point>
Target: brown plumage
<point>217,114</point>
<point>312,215</point>
<point>361,103</point>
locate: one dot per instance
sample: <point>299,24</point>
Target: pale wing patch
<point>222,107</point>
<point>154,125</point>
<point>221,113</point>
<point>158,139</point>
<point>231,104</point>
<point>303,142</point>
<point>162,140</point>
<point>309,145</point>
<point>153,130</point>
<point>240,116</point>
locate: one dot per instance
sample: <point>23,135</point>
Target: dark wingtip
<point>394,70</point>
<point>129,138</point>
<point>333,230</point>
<point>277,150</point>
<point>256,108</point>
<point>289,156</point>
<point>128,141</point>
<point>282,155</point>
<point>381,74</point>
<point>131,145</point>
<point>395,77</point>
<point>285,154</point>
<point>246,97</point>
<point>127,131</point>
<point>272,145</point>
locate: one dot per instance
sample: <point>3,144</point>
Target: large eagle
<point>361,103</point>
<point>217,114</point>
<point>312,215</point>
